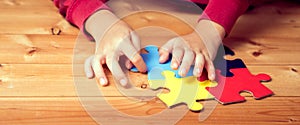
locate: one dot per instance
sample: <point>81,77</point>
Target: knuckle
<point>189,52</point>
<point>176,59</point>
<point>205,54</point>
<point>197,50</point>
<point>136,59</point>
<point>119,76</point>
<point>177,48</point>
<point>199,56</point>
<point>186,63</point>
<point>187,49</point>
<point>96,57</point>
<point>199,63</point>
<point>163,50</point>
<point>176,39</point>
<point>172,41</point>
<point>177,56</point>
<point>208,60</point>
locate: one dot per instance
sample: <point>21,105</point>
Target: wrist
<point>220,29</point>
<point>99,22</point>
<point>212,28</point>
<point>211,34</point>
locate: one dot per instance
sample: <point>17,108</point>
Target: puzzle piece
<point>225,65</point>
<point>229,88</point>
<point>152,61</point>
<point>182,90</point>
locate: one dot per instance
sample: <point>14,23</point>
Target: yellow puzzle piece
<point>182,90</point>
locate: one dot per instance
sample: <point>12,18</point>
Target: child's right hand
<point>113,38</point>
<point>198,48</point>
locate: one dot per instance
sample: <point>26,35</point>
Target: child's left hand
<point>198,48</point>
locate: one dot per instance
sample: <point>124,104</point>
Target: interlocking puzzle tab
<point>152,61</point>
<point>229,88</point>
<point>225,65</point>
<point>182,90</point>
<point>233,77</point>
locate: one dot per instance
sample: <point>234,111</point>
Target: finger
<point>133,55</point>
<point>209,67</point>
<point>88,67</point>
<point>135,40</point>
<point>137,45</point>
<point>163,55</point>
<point>98,70</point>
<point>114,66</point>
<point>187,61</point>
<point>165,51</point>
<point>199,65</point>
<point>128,64</point>
<point>177,55</point>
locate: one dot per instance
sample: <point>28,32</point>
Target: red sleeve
<point>77,11</point>
<point>225,12</point>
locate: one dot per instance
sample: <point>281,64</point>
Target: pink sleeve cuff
<point>225,12</point>
<point>80,10</point>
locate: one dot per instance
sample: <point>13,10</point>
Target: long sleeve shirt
<point>223,12</point>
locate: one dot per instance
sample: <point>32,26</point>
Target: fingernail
<point>123,82</point>
<point>198,71</point>
<point>182,71</point>
<point>212,76</point>
<point>174,65</point>
<point>161,58</point>
<point>102,81</point>
<point>89,75</point>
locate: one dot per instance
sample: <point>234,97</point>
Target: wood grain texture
<point>45,49</point>
<point>275,19</point>
<point>32,17</point>
<point>279,110</point>
<point>38,68</point>
<point>55,80</point>
<point>265,51</point>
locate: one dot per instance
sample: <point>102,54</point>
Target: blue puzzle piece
<point>225,65</point>
<point>152,61</point>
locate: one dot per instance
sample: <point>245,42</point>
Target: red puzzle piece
<point>229,88</point>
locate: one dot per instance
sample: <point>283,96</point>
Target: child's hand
<point>111,43</point>
<point>194,49</point>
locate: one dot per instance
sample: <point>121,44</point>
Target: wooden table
<point>37,85</point>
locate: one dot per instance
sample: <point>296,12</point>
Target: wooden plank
<point>287,26</point>
<point>275,19</point>
<point>43,111</point>
<point>59,49</point>
<point>279,110</point>
<point>39,17</point>
<point>37,86</point>
<point>274,51</point>
<point>32,17</point>
<point>57,80</point>
<point>271,51</point>
<point>274,7</point>
<point>269,111</point>
<point>33,49</point>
